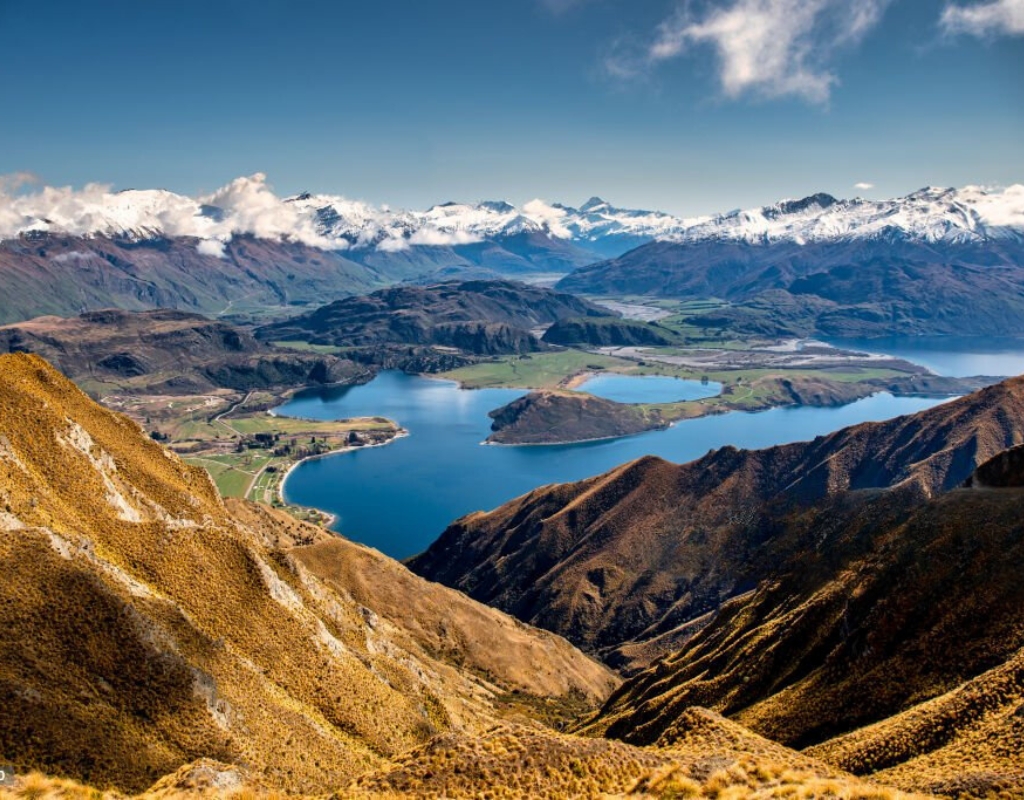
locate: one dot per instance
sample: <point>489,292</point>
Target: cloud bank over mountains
<point>248,206</point>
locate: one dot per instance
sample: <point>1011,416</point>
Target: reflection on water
<point>398,498</point>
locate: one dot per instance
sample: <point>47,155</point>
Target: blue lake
<point>648,388</point>
<point>400,497</point>
<point>955,356</point>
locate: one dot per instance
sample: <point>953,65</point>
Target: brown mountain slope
<point>627,564</point>
<point>479,317</point>
<point>145,626</point>
<point>155,637</point>
<point>909,621</point>
<point>66,275</point>
<point>165,350</point>
<point>708,757</point>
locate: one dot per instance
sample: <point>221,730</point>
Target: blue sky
<point>690,107</point>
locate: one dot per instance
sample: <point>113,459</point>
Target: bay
<point>400,497</point>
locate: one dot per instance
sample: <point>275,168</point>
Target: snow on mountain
<point>970,214</point>
<point>247,205</point>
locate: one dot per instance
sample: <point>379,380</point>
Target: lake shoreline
<point>399,500</point>
<point>329,518</point>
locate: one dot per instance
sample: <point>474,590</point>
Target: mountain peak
<point>593,203</point>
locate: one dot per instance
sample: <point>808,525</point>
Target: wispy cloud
<point>863,186</point>
<point>1004,17</point>
<point>767,48</point>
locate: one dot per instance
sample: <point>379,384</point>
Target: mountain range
<point>243,248</point>
<point>939,261</point>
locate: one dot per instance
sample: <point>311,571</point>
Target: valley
<point>674,485</point>
<point>354,446</point>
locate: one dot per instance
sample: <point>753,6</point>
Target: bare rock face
<point>1005,471</point>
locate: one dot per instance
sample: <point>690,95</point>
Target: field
<point>306,347</point>
<point>246,450</point>
<point>755,372</point>
<point>536,371</point>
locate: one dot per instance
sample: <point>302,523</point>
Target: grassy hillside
<point>147,625</point>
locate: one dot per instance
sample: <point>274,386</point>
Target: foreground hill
<point>146,624</point>
<point>166,350</point>
<point>888,634</point>
<point>157,640</point>
<point>478,317</point>
<point>628,564</point>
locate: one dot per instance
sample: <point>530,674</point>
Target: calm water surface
<point>955,356</point>
<point>648,388</point>
<point>398,498</point>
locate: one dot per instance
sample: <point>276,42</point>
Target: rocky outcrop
<point>611,332</point>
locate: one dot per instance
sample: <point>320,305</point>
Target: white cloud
<point>437,238</point>
<point>982,19</point>
<point>210,247</point>
<point>251,207</point>
<point>248,206</point>
<point>549,216</point>
<point>73,257</point>
<point>863,186</point>
<point>771,48</point>
<point>394,244</point>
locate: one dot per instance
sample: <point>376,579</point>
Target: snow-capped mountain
<point>248,206</point>
<point>936,261</point>
<point>970,214</point>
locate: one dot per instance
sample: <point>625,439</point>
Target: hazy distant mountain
<point>936,261</point>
